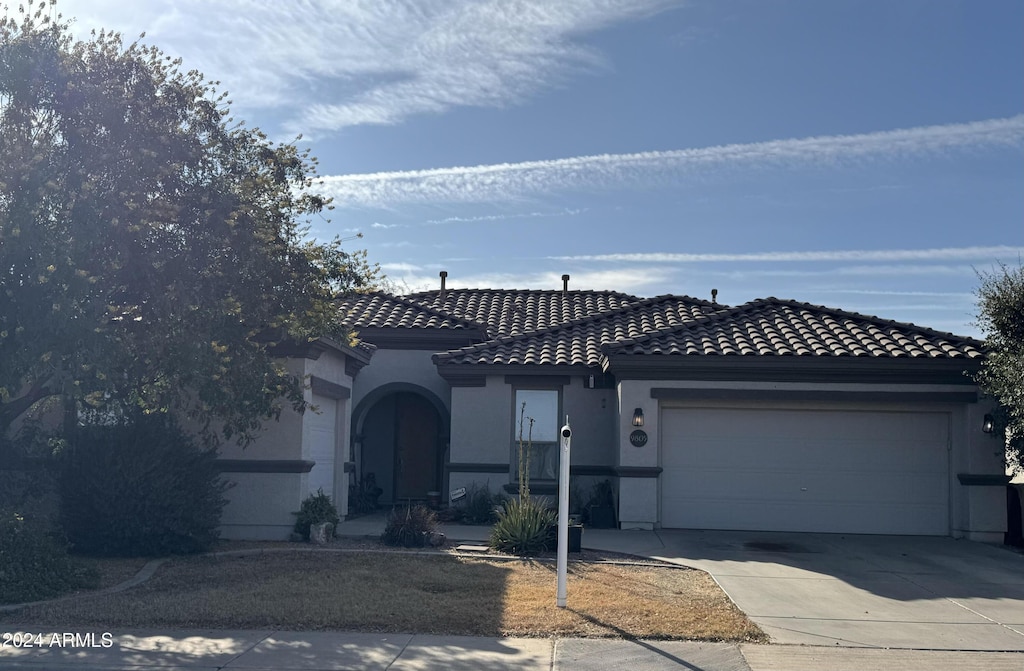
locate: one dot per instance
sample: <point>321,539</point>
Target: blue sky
<point>866,155</point>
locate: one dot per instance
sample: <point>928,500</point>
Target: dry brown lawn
<point>424,593</point>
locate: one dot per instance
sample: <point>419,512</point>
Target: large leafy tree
<point>152,251</point>
<point>1001,319</point>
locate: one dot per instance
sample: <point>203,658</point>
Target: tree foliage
<point>1001,319</point>
<point>152,251</point>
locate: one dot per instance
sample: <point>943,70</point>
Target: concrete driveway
<point>871,591</point>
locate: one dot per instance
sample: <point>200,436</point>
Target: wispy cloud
<point>514,181</point>
<point>861,255</point>
<point>568,212</point>
<point>952,295</point>
<point>373,61</point>
<point>400,267</point>
<point>628,280</point>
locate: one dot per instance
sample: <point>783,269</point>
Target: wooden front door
<point>416,447</point>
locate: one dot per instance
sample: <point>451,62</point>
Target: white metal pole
<point>563,513</point>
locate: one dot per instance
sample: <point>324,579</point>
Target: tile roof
<point>584,327</point>
<point>513,312</point>
<point>773,327</point>
<point>579,342</point>
<point>382,310</point>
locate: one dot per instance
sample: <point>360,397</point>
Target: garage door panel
<point>805,470</point>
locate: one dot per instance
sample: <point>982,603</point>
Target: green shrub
<point>363,497</point>
<point>316,509</point>
<point>409,526</point>
<point>479,504</point>
<point>140,489</point>
<point>524,527</point>
<point>34,563</point>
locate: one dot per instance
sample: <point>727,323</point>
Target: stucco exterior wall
<point>260,505</point>
<point>482,422</point>
<point>484,430</point>
<point>410,366</point>
<point>281,439</point>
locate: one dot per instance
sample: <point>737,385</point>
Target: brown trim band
<point>638,471</point>
<point>672,394</point>
<point>323,387</point>
<point>584,469</point>
<point>983,479</point>
<point>264,465</point>
<point>477,468</point>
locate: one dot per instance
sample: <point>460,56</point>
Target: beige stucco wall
<point>260,505</point>
<point>411,366</point>
<point>484,421</point>
<point>976,512</point>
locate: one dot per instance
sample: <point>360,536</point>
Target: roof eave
<point>417,338</point>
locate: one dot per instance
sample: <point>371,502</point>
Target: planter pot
<point>575,537</point>
<point>602,517</point>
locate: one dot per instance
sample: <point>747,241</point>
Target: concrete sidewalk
<point>330,651</point>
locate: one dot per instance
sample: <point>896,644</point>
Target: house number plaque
<point>638,438</point>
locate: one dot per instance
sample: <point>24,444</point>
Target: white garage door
<point>805,470</point>
<point>322,427</point>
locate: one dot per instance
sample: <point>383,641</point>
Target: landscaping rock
<point>436,539</point>
<point>320,533</point>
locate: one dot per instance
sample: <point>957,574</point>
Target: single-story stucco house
<point>771,415</point>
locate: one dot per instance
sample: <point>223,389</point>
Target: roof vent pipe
<point>714,296</point>
<point>444,276</point>
<point>565,284</point>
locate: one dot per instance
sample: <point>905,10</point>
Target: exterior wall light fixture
<point>638,417</point>
<point>988,424</point>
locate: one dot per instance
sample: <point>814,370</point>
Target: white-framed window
<point>542,406</point>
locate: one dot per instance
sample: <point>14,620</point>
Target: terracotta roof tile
<point>772,327</point>
<point>514,312</point>
<point>382,310</point>
<point>579,342</point>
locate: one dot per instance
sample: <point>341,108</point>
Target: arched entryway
<point>401,434</point>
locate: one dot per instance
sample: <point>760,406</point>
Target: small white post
<point>563,513</point>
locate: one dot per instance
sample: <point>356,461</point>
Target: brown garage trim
<point>672,394</point>
<point>983,479</point>
<point>264,465</point>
